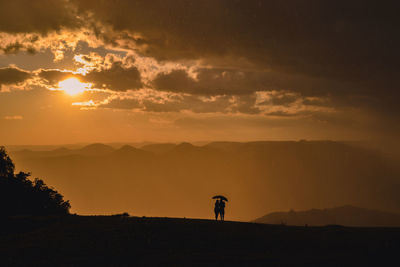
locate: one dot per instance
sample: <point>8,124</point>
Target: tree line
<point>19,195</point>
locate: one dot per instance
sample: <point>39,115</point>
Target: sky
<point>130,71</point>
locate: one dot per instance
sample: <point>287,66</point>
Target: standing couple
<point>219,208</point>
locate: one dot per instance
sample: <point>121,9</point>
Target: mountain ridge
<point>258,176</point>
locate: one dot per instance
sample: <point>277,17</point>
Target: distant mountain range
<point>344,215</point>
<point>179,179</point>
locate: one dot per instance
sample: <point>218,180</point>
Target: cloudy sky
<point>180,70</point>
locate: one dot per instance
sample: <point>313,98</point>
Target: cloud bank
<point>310,59</point>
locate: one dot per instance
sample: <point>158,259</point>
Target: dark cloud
<point>221,81</point>
<point>41,16</point>
<point>343,40</point>
<point>211,82</point>
<point>177,104</point>
<point>281,114</point>
<point>353,43</point>
<point>176,81</point>
<point>116,78</point>
<point>196,104</point>
<point>12,75</point>
<point>17,46</point>
<point>53,77</point>
<point>246,104</point>
<point>284,99</point>
<point>12,48</point>
<point>346,50</point>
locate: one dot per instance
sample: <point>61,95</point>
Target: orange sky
<point>131,71</point>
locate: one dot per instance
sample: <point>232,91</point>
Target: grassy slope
<point>116,241</point>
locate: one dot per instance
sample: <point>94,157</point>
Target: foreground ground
<point>128,241</point>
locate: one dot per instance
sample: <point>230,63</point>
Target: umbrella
<point>220,197</point>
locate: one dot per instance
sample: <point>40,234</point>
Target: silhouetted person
<point>217,209</point>
<point>222,209</point>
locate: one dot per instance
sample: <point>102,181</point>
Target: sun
<point>73,86</point>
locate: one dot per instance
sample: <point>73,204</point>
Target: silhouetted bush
<point>21,196</point>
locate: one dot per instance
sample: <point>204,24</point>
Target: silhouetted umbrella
<point>220,197</point>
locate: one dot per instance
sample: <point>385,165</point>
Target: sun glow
<point>73,86</point>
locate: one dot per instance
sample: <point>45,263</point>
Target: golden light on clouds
<point>73,86</point>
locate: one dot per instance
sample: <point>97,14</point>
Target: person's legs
<point>216,214</point>
<point>222,215</point>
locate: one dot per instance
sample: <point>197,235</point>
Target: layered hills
<point>180,179</point>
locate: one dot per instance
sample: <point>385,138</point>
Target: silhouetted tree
<point>6,164</point>
<point>21,196</point>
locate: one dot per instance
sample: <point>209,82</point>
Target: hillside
<point>179,180</point>
<point>345,215</point>
<point>158,148</point>
<point>129,241</point>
